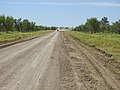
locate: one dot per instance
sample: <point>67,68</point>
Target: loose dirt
<point>57,62</point>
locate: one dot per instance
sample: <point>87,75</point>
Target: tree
<point>53,28</point>
<point>17,24</point>
<point>9,22</point>
<point>93,25</point>
<point>2,21</point>
<point>32,26</point>
<point>25,25</point>
<point>116,27</point>
<point>104,25</point>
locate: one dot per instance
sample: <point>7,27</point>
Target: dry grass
<point>110,43</point>
<point>18,35</point>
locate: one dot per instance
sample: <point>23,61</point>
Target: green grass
<point>110,43</point>
<point>10,36</point>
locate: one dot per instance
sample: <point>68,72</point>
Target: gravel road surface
<point>56,61</point>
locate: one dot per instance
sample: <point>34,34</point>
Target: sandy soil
<point>56,62</point>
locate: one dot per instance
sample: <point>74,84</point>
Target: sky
<point>67,13</point>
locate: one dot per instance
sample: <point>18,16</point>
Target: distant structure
<point>58,29</point>
<point>63,29</point>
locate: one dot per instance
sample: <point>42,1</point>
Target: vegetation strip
<point>110,43</point>
<point>28,36</point>
<point>8,23</point>
<point>93,25</point>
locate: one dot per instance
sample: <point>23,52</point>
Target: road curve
<point>56,61</point>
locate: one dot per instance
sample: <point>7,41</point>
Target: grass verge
<point>12,36</point>
<point>110,43</point>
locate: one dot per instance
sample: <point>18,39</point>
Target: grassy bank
<point>110,43</point>
<point>11,36</point>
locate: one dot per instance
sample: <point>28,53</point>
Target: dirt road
<point>56,62</point>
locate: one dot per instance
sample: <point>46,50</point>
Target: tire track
<point>99,69</point>
<point>105,74</point>
<point>19,70</point>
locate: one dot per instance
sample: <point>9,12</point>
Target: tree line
<point>93,25</point>
<point>8,23</point>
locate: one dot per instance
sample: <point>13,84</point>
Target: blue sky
<point>61,12</point>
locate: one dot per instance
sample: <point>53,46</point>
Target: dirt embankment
<point>56,62</point>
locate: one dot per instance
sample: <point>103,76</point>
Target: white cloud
<point>100,4</point>
<point>103,4</point>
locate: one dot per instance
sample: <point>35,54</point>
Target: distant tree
<point>83,28</point>
<point>104,25</point>
<point>116,27</point>
<point>17,24</point>
<point>9,22</point>
<point>93,25</point>
<point>2,22</point>
<point>25,25</point>
<point>53,28</point>
<point>32,26</point>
